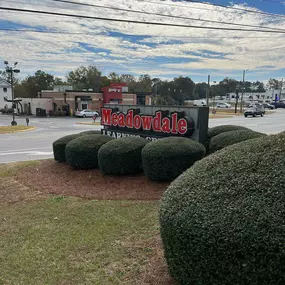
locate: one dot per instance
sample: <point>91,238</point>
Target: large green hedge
<point>167,158</point>
<point>82,152</point>
<point>91,132</point>
<point>222,129</point>
<point>223,220</point>
<point>121,156</point>
<point>229,138</point>
<point>59,147</point>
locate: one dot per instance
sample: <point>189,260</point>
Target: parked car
<point>268,106</point>
<point>255,111</point>
<point>86,113</point>
<point>278,105</point>
<point>224,105</point>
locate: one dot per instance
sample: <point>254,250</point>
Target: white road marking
<point>25,149</point>
<point>27,153</point>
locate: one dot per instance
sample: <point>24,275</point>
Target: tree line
<point>174,91</point>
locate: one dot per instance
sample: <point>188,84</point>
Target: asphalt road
<point>37,144</point>
<point>269,124</point>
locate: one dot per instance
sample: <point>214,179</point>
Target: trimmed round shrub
<point>224,128</point>
<point>59,147</point>
<point>229,138</point>
<point>223,221</point>
<point>121,156</point>
<point>82,152</point>
<point>94,132</point>
<point>167,158</point>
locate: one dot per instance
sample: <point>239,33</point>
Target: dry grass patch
<point>14,129</point>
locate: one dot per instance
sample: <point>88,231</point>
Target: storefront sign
<point>161,124</point>
<point>114,90</point>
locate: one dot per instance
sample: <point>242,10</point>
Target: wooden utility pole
<point>243,89</point>
<point>208,90</point>
<point>280,94</point>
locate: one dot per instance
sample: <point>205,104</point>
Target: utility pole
<point>243,90</point>
<point>280,94</point>
<point>208,90</point>
<point>12,70</point>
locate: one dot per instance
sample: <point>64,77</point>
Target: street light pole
<point>12,70</point>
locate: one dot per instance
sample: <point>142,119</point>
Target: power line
<point>135,21</point>
<point>161,15</point>
<point>235,8</point>
<point>217,5</point>
<point>127,35</point>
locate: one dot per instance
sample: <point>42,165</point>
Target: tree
<point>130,80</point>
<point>7,77</point>
<point>229,85</point>
<point>185,88</point>
<point>114,77</point>
<point>258,86</point>
<point>85,78</point>
<point>201,90</point>
<point>59,81</point>
<point>104,81</point>
<point>31,85</point>
<point>273,84</point>
<point>144,83</point>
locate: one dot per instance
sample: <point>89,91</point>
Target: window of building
<point>5,90</point>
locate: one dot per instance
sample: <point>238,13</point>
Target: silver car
<point>223,105</point>
<point>86,113</point>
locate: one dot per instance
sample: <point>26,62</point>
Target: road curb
<point>87,123</point>
<point>19,131</point>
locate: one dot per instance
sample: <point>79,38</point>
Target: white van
<point>200,103</point>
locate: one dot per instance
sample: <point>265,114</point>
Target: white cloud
<point>184,49</point>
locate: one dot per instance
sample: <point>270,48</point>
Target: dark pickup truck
<point>278,105</point>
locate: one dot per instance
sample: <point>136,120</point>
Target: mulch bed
<point>50,177</point>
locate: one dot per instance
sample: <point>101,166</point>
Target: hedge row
<point>167,158</point>
<point>82,152</point>
<point>122,156</point>
<point>222,221</point>
<point>60,144</point>
<point>162,160</point>
<point>232,137</point>
<point>59,147</point>
<point>224,128</point>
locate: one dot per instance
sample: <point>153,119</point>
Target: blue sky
<point>164,52</point>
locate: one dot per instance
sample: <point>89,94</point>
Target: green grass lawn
<point>69,241</point>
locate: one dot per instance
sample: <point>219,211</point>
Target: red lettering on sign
<point>137,122</point>
<point>121,121</point>
<point>182,126</point>
<point>174,123</point>
<point>156,123</point>
<point>146,122</point>
<point>129,119</point>
<point>165,125</point>
<point>106,116</point>
<point>114,119</point>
